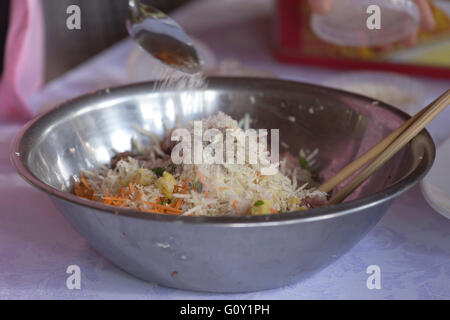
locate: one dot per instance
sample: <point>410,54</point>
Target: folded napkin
<point>23,60</point>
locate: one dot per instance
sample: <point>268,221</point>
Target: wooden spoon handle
<point>354,166</point>
<point>407,135</point>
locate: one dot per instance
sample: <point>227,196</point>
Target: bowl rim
<point>314,214</point>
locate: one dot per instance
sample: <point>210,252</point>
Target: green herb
<point>304,163</point>
<point>159,171</point>
<point>198,186</point>
<point>259,203</point>
<point>315,173</point>
<point>163,202</point>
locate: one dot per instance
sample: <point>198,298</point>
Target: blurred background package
<point>335,40</point>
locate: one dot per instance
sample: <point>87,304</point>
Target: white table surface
<point>411,244</point>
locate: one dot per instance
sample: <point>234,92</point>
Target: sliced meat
<point>314,201</point>
<point>167,144</point>
<point>120,156</point>
<point>293,163</point>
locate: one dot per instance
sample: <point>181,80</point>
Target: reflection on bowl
<point>395,89</point>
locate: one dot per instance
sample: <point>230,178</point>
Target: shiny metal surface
<point>162,37</point>
<point>209,253</point>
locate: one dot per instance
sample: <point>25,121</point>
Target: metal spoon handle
<point>134,6</point>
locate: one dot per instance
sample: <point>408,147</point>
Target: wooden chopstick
<point>417,125</point>
<point>354,166</point>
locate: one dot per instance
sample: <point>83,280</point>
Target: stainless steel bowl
<point>216,253</point>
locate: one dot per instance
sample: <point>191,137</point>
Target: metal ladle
<point>162,37</point>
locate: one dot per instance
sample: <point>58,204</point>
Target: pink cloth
<point>24,60</point>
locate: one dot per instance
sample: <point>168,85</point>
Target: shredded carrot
<point>273,210</point>
<point>202,179</point>
<point>154,206</point>
<point>84,191</point>
<point>138,197</point>
<point>172,210</point>
<point>106,201</point>
<point>123,192</point>
<point>122,198</point>
<point>162,208</point>
<point>185,183</point>
<point>171,213</point>
<point>114,198</point>
<point>149,203</point>
<point>115,201</point>
<point>118,203</point>
<point>235,206</point>
<point>178,203</point>
<point>174,203</point>
<point>183,188</point>
<point>83,180</point>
